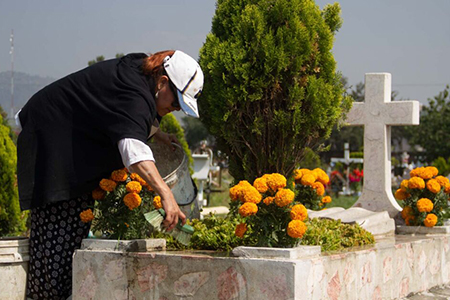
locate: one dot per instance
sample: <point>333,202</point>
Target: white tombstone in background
<point>201,173</point>
<point>347,161</point>
<point>377,114</point>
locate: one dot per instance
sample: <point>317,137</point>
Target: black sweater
<point>70,129</point>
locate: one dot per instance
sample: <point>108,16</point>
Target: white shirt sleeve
<point>133,151</point>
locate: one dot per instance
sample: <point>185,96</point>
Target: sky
<point>408,38</point>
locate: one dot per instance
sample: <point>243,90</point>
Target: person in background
<point>79,129</point>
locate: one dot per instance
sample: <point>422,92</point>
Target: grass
<point>343,201</point>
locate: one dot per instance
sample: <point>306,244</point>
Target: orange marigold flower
<point>138,178</point>
<point>251,194</point>
<point>401,194</point>
<point>299,212</point>
<point>284,197</point>
<point>276,181</point>
<point>157,202</point>
<point>248,209</point>
<point>433,170</point>
<point>261,185</point>
<point>416,183</point>
<point>326,199</point>
<point>433,186</point>
<point>134,187</point>
<point>409,219</point>
<point>132,200</point>
<point>268,200</point>
<point>430,220</point>
<point>442,180</point>
<point>320,189</point>
<point>415,172</point>
<point>296,229</point>
<point>447,188</point>
<point>126,224</point>
<point>322,177</point>
<point>86,216</point>
<point>119,175</point>
<point>308,179</point>
<point>426,174</point>
<point>98,194</point>
<point>424,205</point>
<point>298,175</point>
<point>240,230</point>
<point>107,185</point>
<point>406,212</point>
<point>404,184</point>
<point>235,192</point>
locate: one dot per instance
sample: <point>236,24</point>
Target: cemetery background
<point>358,149</point>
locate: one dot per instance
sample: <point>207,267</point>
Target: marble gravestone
<point>377,114</point>
<point>376,207</point>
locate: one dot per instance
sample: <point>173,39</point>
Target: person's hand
<point>173,212</point>
<point>167,138</point>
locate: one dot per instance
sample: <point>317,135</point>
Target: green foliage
<point>195,132</point>
<point>96,60</point>
<point>310,160</point>
<point>433,133</point>
<point>271,86</point>
<point>12,222</point>
<point>442,165</point>
<point>169,124</point>
<point>332,235</point>
<point>215,233</point>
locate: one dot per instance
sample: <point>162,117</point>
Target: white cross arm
<point>389,113</point>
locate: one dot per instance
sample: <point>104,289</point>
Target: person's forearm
<point>148,171</point>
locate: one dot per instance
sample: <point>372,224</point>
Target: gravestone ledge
<point>267,252</point>
<point>139,245</point>
<point>378,223</point>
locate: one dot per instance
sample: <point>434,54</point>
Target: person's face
<point>167,101</point>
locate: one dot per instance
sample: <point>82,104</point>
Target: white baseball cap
<point>187,76</point>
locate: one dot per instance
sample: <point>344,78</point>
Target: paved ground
<point>436,293</point>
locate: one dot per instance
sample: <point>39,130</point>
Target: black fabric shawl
<point>71,129</point>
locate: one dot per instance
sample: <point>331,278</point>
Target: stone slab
<point>403,229</point>
<point>266,252</point>
<point>391,269</point>
<point>377,223</point>
<point>218,210</point>
<point>140,245</point>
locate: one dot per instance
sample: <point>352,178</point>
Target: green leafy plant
<point>12,221</point>
<point>333,235</point>
<point>271,86</point>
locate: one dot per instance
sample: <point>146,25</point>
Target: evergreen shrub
<point>271,87</point>
<point>12,221</point>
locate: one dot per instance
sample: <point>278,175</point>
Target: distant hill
<point>25,86</point>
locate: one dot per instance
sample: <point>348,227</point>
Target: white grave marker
<point>377,114</point>
<point>347,161</point>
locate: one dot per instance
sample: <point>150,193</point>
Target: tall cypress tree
<point>11,221</point>
<point>271,86</point>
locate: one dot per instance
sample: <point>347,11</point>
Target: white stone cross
<point>377,114</point>
<point>347,161</point>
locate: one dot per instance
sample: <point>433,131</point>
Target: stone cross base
<point>377,223</point>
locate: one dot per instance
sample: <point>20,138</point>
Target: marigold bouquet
<point>424,197</point>
<point>310,188</point>
<point>268,207</point>
<point>120,203</point>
